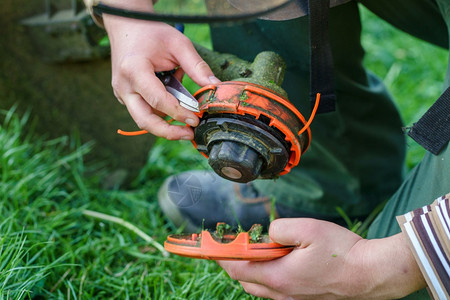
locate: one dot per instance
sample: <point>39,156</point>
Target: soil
<point>65,97</point>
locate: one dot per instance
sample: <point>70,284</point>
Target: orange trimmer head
<point>228,247</point>
<point>248,131</point>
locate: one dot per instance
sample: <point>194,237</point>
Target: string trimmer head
<point>248,128</point>
<point>248,131</point>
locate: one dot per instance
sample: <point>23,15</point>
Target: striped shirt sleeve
<point>428,231</point>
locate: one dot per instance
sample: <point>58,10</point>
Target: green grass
<point>51,248</point>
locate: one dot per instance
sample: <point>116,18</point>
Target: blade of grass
<point>129,226</point>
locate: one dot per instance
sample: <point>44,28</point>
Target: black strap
<point>432,131</point>
<point>321,60</point>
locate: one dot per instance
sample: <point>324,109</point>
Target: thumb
<point>195,67</point>
<point>300,232</point>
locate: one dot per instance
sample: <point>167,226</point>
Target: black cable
<point>101,8</point>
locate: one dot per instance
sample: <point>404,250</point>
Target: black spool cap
<point>241,148</point>
<point>235,161</point>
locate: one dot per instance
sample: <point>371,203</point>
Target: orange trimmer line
<point>313,114</point>
<point>138,132</point>
<point>131,133</point>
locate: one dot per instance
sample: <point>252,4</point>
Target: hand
<point>329,262</point>
<point>138,50</point>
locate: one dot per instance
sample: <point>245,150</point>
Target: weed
<point>221,230</point>
<point>255,233</point>
<point>243,96</point>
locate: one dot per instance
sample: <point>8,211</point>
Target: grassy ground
<point>51,246</point>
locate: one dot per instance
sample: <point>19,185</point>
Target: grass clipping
<point>129,226</point>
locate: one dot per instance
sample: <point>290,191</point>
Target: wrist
<point>138,5</point>
<point>391,268</point>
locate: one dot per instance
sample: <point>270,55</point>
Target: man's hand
<point>329,262</point>
<point>138,50</point>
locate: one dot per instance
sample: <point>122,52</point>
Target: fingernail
<point>190,122</point>
<point>213,79</point>
<point>188,138</point>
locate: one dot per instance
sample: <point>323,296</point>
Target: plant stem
<point>129,226</point>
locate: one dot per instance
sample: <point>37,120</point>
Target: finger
<point>179,73</point>
<point>238,270</point>
<point>194,66</point>
<point>300,232</point>
<point>153,91</point>
<point>252,272</point>
<point>262,291</point>
<point>144,117</point>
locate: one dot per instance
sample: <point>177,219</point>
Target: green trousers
<point>427,181</point>
<point>356,157</point>
<point>353,149</point>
